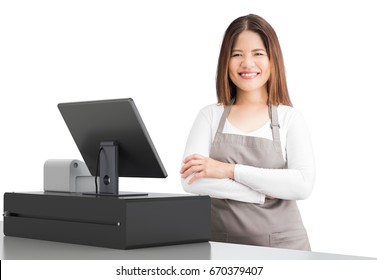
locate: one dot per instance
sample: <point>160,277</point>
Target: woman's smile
<point>248,75</point>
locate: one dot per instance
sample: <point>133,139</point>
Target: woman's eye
<point>236,54</point>
<point>259,54</point>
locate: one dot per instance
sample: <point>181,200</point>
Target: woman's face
<point>249,65</point>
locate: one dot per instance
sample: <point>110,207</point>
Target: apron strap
<point>220,128</point>
<point>275,126</point>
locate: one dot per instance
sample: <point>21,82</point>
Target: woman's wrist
<point>230,170</point>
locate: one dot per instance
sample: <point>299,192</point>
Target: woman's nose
<point>248,61</point>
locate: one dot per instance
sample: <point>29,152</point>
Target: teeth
<point>249,74</point>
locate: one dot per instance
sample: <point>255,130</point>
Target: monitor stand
<point>108,172</point>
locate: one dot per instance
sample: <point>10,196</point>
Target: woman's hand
<point>205,167</point>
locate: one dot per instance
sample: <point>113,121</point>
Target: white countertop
<point>15,248</point>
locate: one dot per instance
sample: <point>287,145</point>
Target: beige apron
<point>277,222</point>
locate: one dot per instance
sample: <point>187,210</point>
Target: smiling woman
<point>252,151</point>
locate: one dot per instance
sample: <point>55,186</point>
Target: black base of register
<point>112,222</point>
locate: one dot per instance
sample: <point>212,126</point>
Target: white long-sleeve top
<point>251,184</point>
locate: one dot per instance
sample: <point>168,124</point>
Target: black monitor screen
<point>93,122</point>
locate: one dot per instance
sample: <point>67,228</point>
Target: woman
<point>252,151</point>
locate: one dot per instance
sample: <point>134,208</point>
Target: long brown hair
<point>276,85</point>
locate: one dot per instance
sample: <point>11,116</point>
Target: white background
<point>163,54</point>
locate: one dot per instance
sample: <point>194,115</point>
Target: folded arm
<point>199,143</point>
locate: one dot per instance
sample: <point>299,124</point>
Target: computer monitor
<point>113,142</point>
